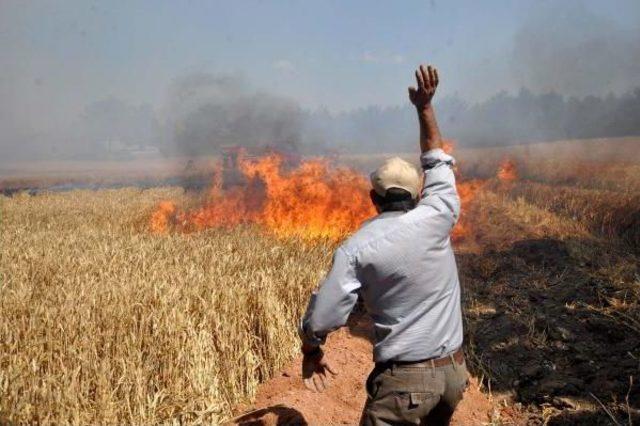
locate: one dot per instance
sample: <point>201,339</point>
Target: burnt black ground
<point>550,335</point>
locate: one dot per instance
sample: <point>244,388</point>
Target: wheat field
<point>103,323</point>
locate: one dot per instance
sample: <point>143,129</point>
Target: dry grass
<point>103,323</point>
<point>612,164</point>
<point>610,213</point>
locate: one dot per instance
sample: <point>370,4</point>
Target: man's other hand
<point>314,371</point>
<point>427,80</point>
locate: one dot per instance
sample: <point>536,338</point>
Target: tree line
<point>209,118</point>
<point>504,119</point>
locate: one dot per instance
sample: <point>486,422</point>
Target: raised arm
<point>439,193</point>
<point>427,80</point>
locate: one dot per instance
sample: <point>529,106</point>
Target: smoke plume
<point>566,48</point>
<point>205,112</point>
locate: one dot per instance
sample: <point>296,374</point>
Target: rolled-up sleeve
<point>331,304</point>
<point>439,189</point>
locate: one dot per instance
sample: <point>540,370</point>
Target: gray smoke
<point>54,108</point>
<point>566,48</point>
<point>205,112</point>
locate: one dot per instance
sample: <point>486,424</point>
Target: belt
<point>458,356</point>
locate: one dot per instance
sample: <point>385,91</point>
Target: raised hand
<point>427,79</point>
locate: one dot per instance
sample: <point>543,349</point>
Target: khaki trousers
<point>414,394</point>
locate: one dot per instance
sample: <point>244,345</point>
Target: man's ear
<point>374,197</point>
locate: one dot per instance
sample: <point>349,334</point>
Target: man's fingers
<point>412,93</point>
<point>425,77</point>
<point>317,383</point>
<point>435,76</point>
<point>324,381</point>
<point>432,77</point>
<point>330,369</point>
<point>419,79</point>
<point>309,384</point>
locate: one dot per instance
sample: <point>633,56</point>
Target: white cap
<point>396,173</point>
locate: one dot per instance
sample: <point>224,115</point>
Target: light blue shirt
<point>404,267</point>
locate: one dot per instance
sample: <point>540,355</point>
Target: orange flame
<point>467,191</point>
<point>161,218</point>
<point>507,171</point>
<point>312,201</point>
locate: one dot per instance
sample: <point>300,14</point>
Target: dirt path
<point>284,399</point>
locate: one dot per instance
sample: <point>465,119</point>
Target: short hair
<point>395,199</point>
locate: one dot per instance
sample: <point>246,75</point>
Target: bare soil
<point>284,399</point>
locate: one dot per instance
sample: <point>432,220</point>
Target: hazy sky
<point>58,56</point>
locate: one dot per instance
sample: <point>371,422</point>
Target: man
<point>402,264</point>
